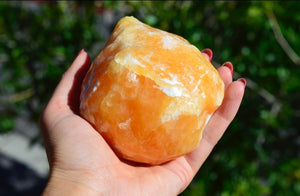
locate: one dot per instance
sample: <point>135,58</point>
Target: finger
<point>225,113</point>
<point>80,64</point>
<point>207,53</point>
<point>226,72</point>
<point>60,103</point>
<point>70,80</point>
<point>218,124</point>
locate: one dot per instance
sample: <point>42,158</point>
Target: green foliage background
<point>260,152</point>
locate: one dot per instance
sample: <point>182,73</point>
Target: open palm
<point>82,163</point>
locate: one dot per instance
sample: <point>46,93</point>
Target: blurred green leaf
<point>6,124</point>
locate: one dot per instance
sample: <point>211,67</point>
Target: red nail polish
<point>81,51</point>
<point>230,66</point>
<point>243,80</point>
<point>208,52</point>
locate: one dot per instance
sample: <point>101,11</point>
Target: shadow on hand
<point>74,94</point>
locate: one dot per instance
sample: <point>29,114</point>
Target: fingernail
<point>243,80</point>
<point>208,52</point>
<point>81,51</point>
<point>230,66</point>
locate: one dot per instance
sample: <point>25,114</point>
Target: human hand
<point>82,163</point>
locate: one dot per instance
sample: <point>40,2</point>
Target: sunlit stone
<point>150,93</point>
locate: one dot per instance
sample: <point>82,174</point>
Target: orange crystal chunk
<point>150,93</point>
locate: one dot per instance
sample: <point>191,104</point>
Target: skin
<point>82,163</point>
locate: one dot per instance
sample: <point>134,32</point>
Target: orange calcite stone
<point>150,93</point>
